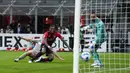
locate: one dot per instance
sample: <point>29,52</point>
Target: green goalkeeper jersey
<point>100,31</point>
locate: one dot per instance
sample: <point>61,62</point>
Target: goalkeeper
<point>98,27</point>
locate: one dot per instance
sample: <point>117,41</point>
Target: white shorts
<point>37,48</point>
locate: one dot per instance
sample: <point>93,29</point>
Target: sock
<point>96,58</point>
<point>22,56</point>
<point>99,59</point>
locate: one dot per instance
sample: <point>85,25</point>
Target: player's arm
<point>56,55</point>
<point>45,42</point>
<point>50,48</point>
<point>66,44</point>
<point>85,28</point>
<point>62,39</point>
<point>88,28</point>
<point>27,39</point>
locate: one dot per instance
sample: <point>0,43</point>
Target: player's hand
<point>19,37</point>
<point>61,58</point>
<point>49,47</point>
<point>70,49</point>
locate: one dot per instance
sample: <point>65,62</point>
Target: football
<point>85,56</point>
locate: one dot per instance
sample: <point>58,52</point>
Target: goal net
<point>114,53</point>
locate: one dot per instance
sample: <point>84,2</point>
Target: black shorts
<point>48,51</point>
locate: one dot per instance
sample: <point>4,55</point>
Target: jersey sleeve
<point>59,35</point>
<point>84,28</point>
<point>45,35</point>
<point>91,26</point>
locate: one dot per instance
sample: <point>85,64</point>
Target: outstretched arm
<point>62,39</point>
<point>58,56</point>
<point>88,28</point>
<point>66,44</point>
<point>84,28</point>
<point>27,39</point>
<point>50,48</point>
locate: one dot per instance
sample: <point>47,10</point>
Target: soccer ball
<point>85,56</point>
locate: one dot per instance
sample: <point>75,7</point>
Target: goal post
<point>76,36</point>
<point>114,52</point>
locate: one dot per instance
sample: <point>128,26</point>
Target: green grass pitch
<point>113,63</point>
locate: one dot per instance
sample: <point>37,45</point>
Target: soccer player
<point>100,32</point>
<point>48,39</point>
<point>31,53</point>
<point>35,53</point>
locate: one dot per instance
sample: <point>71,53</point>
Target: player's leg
<point>94,47</point>
<point>37,52</point>
<point>31,53</point>
<point>23,56</point>
<point>97,61</point>
<point>97,55</point>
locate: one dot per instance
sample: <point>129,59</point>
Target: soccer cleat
<point>16,60</point>
<point>98,66</point>
<point>30,61</point>
<point>38,60</point>
<point>94,64</point>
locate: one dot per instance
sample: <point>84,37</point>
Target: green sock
<point>96,58</point>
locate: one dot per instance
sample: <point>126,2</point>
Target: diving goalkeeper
<point>98,27</point>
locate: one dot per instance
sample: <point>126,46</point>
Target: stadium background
<point>35,16</point>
